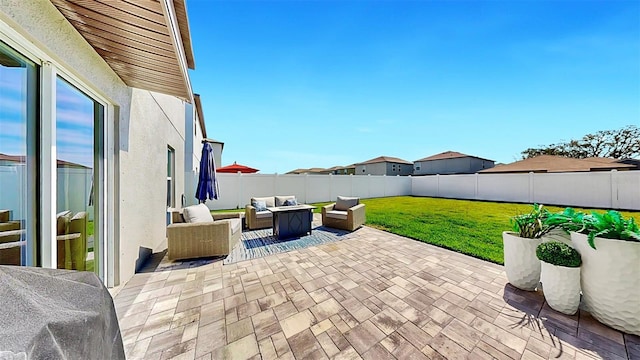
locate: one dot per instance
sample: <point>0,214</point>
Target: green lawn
<point>469,227</point>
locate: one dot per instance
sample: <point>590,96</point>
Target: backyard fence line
<point>236,190</point>
<point>609,190</point>
<point>73,189</point>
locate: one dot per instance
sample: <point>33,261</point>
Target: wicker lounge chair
<point>346,213</point>
<point>217,237</point>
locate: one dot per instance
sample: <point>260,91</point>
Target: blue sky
<point>291,84</point>
<point>74,113</point>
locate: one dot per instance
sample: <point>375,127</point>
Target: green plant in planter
<point>609,225</point>
<point>533,224</point>
<point>557,253</point>
<point>568,220</point>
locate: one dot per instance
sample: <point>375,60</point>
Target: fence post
<point>306,188</point>
<point>351,185</point>
<point>531,189</point>
<point>384,185</point>
<point>475,193</point>
<point>613,178</point>
<point>239,190</point>
<point>331,194</point>
<point>275,184</point>
<point>437,185</point>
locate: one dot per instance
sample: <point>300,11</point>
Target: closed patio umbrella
<point>207,184</point>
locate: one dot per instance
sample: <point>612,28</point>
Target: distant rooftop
<point>380,159</point>
<point>450,155</point>
<point>552,163</point>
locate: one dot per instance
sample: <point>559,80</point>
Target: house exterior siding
<point>139,126</point>
<point>462,165</point>
<point>384,168</point>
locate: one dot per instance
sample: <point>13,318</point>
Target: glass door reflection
<point>76,117</point>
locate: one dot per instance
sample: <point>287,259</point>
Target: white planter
<point>520,261</point>
<point>561,287</point>
<point>610,281</point>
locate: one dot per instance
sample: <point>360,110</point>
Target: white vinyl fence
<point>73,184</point>
<point>236,190</point>
<point>611,189</point>
<point>608,190</point>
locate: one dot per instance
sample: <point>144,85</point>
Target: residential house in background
<point>345,170</point>
<point>315,171</point>
<point>94,86</point>
<point>335,170</point>
<point>384,165</point>
<point>451,162</point>
<point>553,163</point>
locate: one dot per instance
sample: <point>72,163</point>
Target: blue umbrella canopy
<point>207,184</point>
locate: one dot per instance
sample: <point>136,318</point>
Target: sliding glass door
<point>18,161</point>
<point>78,119</point>
<point>25,145</point>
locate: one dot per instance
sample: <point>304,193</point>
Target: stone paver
<point>373,295</point>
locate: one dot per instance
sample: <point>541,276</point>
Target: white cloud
<point>14,106</point>
<point>76,117</point>
<point>66,137</point>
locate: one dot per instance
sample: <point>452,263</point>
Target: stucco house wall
<point>384,168</point>
<point>144,123</point>
<point>372,169</point>
<point>462,165</point>
<point>394,169</point>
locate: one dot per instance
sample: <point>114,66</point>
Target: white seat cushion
<point>197,214</point>
<point>263,214</point>
<point>337,214</point>
<point>236,225</point>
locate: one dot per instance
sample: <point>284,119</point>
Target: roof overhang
<point>146,42</point>
<point>200,113</point>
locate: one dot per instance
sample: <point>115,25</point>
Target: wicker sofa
<point>263,219</point>
<point>215,237</point>
<point>346,213</point>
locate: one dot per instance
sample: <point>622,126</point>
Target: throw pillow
<point>281,199</point>
<point>259,205</point>
<point>290,202</point>
<point>345,203</point>
<point>197,214</point>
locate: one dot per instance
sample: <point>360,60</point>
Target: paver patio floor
<point>372,296</point>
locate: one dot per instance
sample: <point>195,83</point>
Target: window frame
<point>50,68</point>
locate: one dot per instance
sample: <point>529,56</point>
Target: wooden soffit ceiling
<point>147,45</point>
